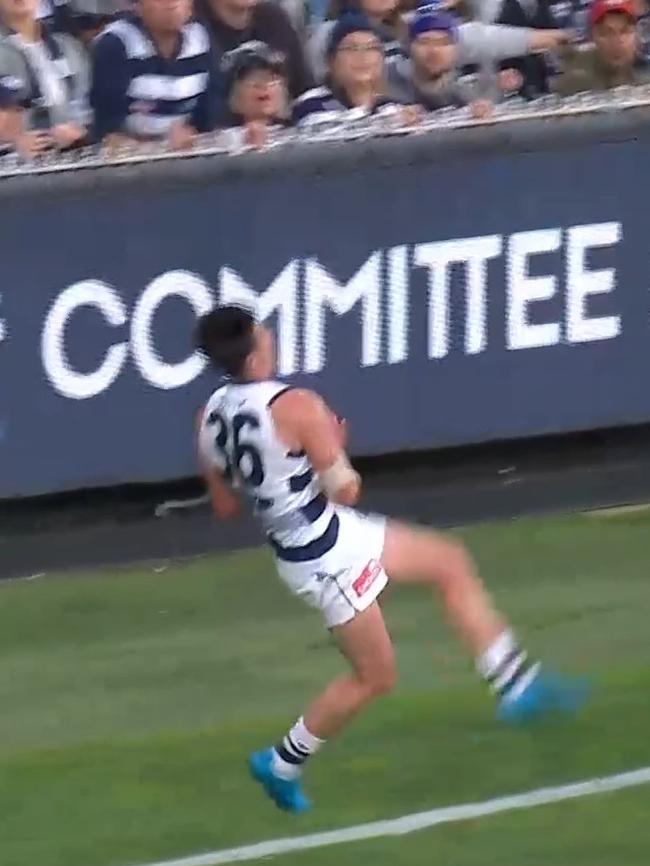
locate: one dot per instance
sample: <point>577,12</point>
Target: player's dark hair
<point>226,335</point>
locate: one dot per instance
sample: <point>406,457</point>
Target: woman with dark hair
<point>52,69</point>
<point>356,75</point>
<point>386,19</point>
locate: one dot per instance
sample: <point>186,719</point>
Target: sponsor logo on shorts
<point>367,577</point>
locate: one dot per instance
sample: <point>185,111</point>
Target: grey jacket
<point>481,44</point>
<point>451,90</point>
<point>74,67</point>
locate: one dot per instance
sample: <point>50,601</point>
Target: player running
<point>286,451</point>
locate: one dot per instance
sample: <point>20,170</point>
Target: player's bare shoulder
<point>294,399</point>
<point>297,407</point>
<point>291,410</point>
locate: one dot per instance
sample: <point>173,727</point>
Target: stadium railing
<point>353,126</point>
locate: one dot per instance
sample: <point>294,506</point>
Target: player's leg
<point>366,644</point>
<point>418,556</point>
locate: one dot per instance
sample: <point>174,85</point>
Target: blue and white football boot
<point>287,794</point>
<point>543,694</point>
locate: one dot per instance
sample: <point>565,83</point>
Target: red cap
<point>600,8</point>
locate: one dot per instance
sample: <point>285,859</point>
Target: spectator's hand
<point>181,136</point>
<point>256,134</point>
<point>411,114</point>
<point>550,40</point>
<point>510,81</point>
<point>66,134</point>
<point>116,141</point>
<point>11,125</point>
<point>481,109</point>
<point>31,144</point>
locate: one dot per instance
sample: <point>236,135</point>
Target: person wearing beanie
<point>256,84</point>
<point>613,60</point>
<point>255,79</point>
<point>356,77</point>
<point>385,16</point>
<point>430,76</point>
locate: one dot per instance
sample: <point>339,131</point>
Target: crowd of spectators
<point>123,72</point>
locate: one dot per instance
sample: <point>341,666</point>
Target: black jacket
<point>532,67</point>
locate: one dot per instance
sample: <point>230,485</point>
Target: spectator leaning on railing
<point>431,75</point>
<point>442,48</point>
<point>613,59</point>
<point>52,69</point>
<point>356,77</point>
<point>153,77</point>
<point>257,92</point>
<point>233,22</point>
<point>386,17</point>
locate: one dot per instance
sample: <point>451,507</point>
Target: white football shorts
<point>349,577</point>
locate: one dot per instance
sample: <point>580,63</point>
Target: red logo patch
<point>367,577</point>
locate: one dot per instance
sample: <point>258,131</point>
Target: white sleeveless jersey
<point>238,436</point>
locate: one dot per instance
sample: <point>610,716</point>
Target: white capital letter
<point>322,290</point>
<point>581,282</point>
<point>157,372</point>
<point>398,304</point>
<point>524,290</point>
<point>65,380</point>
<point>437,257</point>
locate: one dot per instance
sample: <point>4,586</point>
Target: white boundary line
<point>416,821</point>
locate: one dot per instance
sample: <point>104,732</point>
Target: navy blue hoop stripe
<point>314,550</point>
<point>299,482</point>
<point>315,509</point>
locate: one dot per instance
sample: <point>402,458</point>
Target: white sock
<point>290,754</point>
<point>505,666</point>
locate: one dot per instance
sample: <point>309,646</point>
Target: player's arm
<point>306,422</point>
<point>224,501</point>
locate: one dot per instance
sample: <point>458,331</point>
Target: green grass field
<point>129,702</point>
